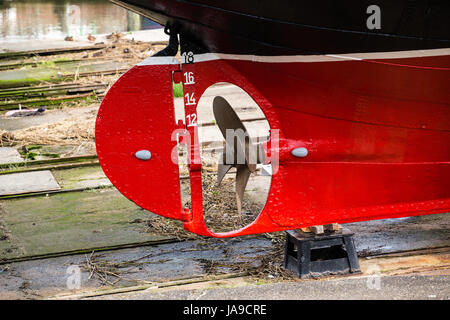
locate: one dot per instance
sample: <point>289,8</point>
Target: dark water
<point>56,19</point>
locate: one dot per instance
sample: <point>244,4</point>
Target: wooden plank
<point>44,102</point>
<point>50,161</point>
<point>43,91</point>
<point>26,182</point>
<point>51,167</point>
<point>74,221</point>
<point>8,155</point>
<point>47,52</point>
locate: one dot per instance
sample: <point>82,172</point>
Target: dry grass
<point>64,132</point>
<point>219,205</point>
<point>270,264</point>
<point>169,227</point>
<point>6,138</point>
<point>110,273</point>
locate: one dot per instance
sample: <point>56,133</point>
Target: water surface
<point>22,20</point>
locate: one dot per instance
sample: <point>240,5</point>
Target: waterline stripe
<point>302,58</point>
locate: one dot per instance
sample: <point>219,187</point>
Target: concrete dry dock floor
<point>355,288</point>
<point>206,269</point>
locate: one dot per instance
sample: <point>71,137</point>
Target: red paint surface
<point>138,114</point>
<point>378,135</point>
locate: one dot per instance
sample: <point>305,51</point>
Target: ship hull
<point>303,27</point>
<point>377,134</point>
<point>371,108</point>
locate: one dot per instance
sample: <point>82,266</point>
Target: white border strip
<point>150,61</point>
<point>302,58</point>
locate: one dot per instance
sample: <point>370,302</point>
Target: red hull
<point>377,132</point>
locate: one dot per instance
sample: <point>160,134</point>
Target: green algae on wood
<point>30,76</point>
<point>81,177</point>
<point>88,98</point>
<point>54,168</point>
<point>74,221</point>
<point>76,159</point>
<point>23,93</point>
<point>45,52</point>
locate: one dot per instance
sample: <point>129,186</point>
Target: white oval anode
<point>300,152</point>
<point>143,155</point>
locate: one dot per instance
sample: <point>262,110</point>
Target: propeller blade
<point>223,167</point>
<point>226,117</point>
<point>261,156</point>
<point>222,171</point>
<point>242,175</point>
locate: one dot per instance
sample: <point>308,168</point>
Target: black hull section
<point>294,27</point>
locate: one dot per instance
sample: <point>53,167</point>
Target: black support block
<point>310,255</point>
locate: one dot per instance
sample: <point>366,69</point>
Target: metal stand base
<point>310,255</point>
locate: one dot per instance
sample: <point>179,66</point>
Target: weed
<point>178,90</point>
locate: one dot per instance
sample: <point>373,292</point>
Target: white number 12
<point>192,120</point>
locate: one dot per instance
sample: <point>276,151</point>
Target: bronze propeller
<point>239,151</point>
